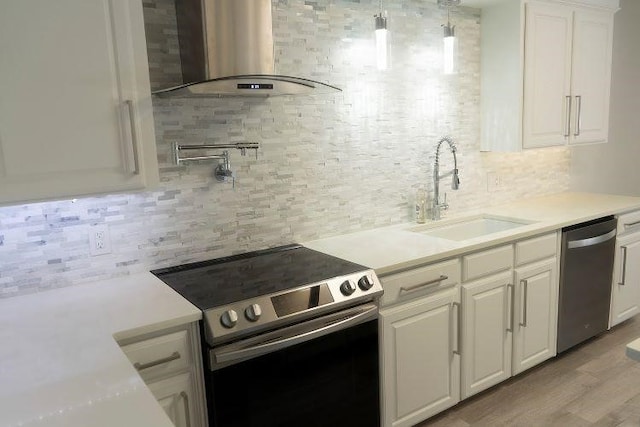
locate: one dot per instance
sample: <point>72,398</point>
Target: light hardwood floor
<point>594,384</point>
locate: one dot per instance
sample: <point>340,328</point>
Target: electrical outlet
<point>494,182</point>
<point>99,240</point>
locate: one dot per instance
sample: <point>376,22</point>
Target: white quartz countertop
<point>395,248</point>
<point>60,364</point>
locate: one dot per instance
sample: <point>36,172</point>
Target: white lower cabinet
<point>535,314</point>
<point>420,358</point>
<point>174,395</point>
<point>170,363</point>
<point>441,347</point>
<point>486,336</point>
<point>625,292</point>
<point>509,318</point>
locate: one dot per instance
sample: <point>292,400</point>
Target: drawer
<point>629,222</point>
<point>420,281</point>
<point>537,248</point>
<point>487,262</point>
<point>161,355</point>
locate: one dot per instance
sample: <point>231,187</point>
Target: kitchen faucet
<point>455,182</point>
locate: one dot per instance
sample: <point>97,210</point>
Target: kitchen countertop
<point>396,248</point>
<point>60,364</point>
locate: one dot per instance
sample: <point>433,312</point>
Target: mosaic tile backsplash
<point>329,164</point>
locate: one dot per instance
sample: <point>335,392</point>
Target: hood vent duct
<point>226,48</point>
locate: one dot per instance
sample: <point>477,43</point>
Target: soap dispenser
<point>421,205</point>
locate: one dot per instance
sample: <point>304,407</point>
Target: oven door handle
<point>363,314</point>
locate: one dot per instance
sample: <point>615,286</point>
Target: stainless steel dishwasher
<point>586,272</point>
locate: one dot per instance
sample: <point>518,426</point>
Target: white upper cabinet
<point>75,104</point>
<point>591,76</point>
<point>546,72</point>
<point>547,75</point>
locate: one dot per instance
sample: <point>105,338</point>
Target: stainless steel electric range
<point>290,337</point>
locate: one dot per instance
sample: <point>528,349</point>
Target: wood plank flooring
<point>594,384</point>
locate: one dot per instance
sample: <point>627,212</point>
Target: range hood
<point>226,48</point>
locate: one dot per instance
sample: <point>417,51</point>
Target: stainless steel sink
<point>470,227</point>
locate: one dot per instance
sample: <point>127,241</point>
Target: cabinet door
<point>420,367</point>
<point>486,333</point>
<point>625,295</point>
<point>591,76</point>
<point>174,395</point>
<point>547,75</point>
<point>75,109</point>
<point>535,314</point>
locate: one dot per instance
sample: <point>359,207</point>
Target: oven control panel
<point>289,306</point>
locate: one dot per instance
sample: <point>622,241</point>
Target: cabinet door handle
<point>424,285</point>
<point>510,305</point>
<point>134,136</point>
<point>578,114</point>
<point>624,265</point>
<point>141,366</point>
<point>567,106</point>
<point>456,306</point>
<point>525,289</point>
<point>187,415</point>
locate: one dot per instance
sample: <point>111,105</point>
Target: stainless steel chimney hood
<point>226,48</point>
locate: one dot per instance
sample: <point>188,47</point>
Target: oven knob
<point>253,312</point>
<point>347,287</point>
<point>229,319</point>
<point>365,283</point>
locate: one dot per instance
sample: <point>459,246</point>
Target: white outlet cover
<point>493,182</point>
<point>99,240</point>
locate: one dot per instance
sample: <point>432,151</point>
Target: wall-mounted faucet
<point>223,170</point>
<point>455,181</point>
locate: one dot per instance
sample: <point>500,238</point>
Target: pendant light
<point>450,41</point>
<point>382,40</point>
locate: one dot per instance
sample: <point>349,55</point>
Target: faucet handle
<point>445,205</point>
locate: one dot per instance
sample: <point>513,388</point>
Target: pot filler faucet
<point>455,181</point>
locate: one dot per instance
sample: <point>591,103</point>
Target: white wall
<point>615,167</point>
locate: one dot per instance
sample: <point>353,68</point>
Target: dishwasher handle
<point>582,243</point>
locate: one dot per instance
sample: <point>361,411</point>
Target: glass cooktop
<point>221,281</point>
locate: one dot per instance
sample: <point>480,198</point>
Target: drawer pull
<point>631,224</point>
<point>424,285</point>
<point>140,366</point>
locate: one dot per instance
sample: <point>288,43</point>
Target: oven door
<point>323,372</point>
